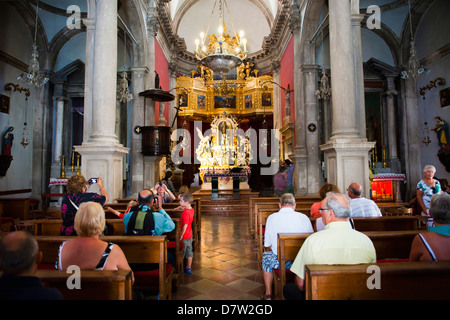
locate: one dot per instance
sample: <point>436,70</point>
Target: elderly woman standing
<point>76,194</point>
<point>426,188</point>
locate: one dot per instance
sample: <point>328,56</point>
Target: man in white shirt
<point>287,220</point>
<point>361,207</point>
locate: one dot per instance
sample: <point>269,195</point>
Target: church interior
<point>220,93</point>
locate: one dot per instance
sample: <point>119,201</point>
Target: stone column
<point>138,78</point>
<point>277,118</point>
<point>88,77</point>
<point>101,154</point>
<point>413,164</point>
<point>312,174</point>
<point>59,128</point>
<point>359,74</point>
<point>346,152</point>
<point>391,93</point>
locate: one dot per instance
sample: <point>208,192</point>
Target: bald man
<point>361,207</point>
<point>20,257</point>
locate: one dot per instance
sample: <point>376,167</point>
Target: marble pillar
<point>346,152</point>
<point>102,154</point>
<point>391,93</point>
<point>139,79</point>
<point>89,77</point>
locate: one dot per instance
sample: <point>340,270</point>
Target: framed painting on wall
<point>182,100</point>
<point>225,102</point>
<point>444,97</point>
<point>248,101</point>
<point>201,101</point>
<point>4,103</point>
<point>266,99</point>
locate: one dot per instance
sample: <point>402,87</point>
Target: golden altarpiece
<point>224,151</point>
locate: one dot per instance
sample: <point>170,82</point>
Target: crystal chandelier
<point>414,70</point>
<point>34,77</point>
<point>222,53</point>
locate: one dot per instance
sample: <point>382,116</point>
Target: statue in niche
<point>8,138</point>
<point>157,80</point>
<point>442,133</point>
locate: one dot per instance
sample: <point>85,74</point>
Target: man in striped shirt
<point>361,207</point>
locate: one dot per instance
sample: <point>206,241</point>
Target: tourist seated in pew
<point>130,204</point>
<point>77,188</point>
<point>280,181</point>
<point>161,190</point>
<point>156,224</point>
<point>337,244</point>
<point>20,256</point>
<point>323,190</point>
<point>434,244</point>
<point>187,217</point>
<point>87,251</point>
<point>284,221</point>
<point>167,180</point>
<point>361,207</point>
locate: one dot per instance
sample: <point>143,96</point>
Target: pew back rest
<point>398,281</point>
<point>137,249</point>
<point>95,284</point>
<point>386,223</point>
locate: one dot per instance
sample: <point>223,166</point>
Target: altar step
<point>225,204</point>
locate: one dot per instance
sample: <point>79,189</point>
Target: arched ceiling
<point>254,17</point>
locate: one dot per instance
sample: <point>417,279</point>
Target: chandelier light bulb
<point>220,29</point>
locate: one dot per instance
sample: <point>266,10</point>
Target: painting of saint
<point>201,101</point>
<point>248,101</point>
<point>266,99</point>
<point>4,104</point>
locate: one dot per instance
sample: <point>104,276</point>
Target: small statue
<point>442,133</point>
<point>8,138</point>
<point>157,80</point>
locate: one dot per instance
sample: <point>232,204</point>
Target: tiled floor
<point>225,265</point>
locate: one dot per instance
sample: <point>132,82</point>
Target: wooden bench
<point>389,246</point>
<point>386,223</point>
<point>398,281</point>
<point>138,250</point>
<point>94,284</point>
<point>254,203</point>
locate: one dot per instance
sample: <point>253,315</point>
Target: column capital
<point>89,23</point>
<point>139,70</point>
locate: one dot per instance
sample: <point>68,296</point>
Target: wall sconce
<point>433,84</point>
<point>10,86</point>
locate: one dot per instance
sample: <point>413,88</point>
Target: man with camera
<point>139,222</point>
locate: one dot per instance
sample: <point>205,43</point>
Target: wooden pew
<point>52,227</point>
<point>115,227</point>
<point>95,284</point>
<point>302,202</point>
<point>138,250</point>
<point>398,281</point>
<point>386,223</point>
<point>389,246</point>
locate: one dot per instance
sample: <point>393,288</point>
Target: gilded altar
<point>224,153</point>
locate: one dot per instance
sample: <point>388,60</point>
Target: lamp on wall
<point>34,77</point>
<point>414,70</point>
<point>223,53</point>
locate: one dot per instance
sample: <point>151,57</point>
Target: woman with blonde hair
<point>87,251</point>
<point>77,188</point>
<point>426,188</point>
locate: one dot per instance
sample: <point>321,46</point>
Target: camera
<point>93,180</point>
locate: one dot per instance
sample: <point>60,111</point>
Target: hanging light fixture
<point>34,77</point>
<point>124,95</point>
<point>222,53</point>
<point>414,70</point>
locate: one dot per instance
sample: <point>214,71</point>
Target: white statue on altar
<point>225,150</point>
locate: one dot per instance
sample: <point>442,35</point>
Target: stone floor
<point>225,265</point>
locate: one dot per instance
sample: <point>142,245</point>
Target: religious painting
<point>225,102</point>
<point>374,117</point>
<point>266,99</point>
<point>182,100</point>
<point>248,101</point>
<point>444,96</point>
<point>4,103</point>
<point>201,101</point>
